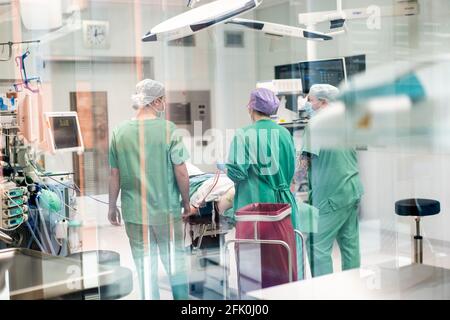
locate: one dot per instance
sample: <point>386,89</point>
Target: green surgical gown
<point>145,151</point>
<point>262,164</point>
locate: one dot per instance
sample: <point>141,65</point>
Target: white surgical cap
<point>324,91</point>
<point>147,91</point>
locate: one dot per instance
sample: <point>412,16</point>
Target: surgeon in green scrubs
<point>335,189</point>
<point>147,159</point>
<point>262,159</point>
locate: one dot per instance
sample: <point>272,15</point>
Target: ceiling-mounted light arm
<point>399,8</point>
<point>223,17</point>
<point>280,29</point>
<point>200,18</point>
<point>72,24</point>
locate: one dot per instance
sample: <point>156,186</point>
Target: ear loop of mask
<point>159,112</point>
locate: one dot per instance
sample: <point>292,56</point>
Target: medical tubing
<point>75,189</point>
<point>215,181</point>
<point>37,229</point>
<point>39,233</point>
<point>44,225</point>
<point>49,188</point>
<point>34,236</point>
<point>34,229</point>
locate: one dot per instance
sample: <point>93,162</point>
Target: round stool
<point>417,208</point>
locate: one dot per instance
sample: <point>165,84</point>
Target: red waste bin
<point>263,261</point>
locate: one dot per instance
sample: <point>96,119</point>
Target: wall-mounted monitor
<point>288,71</point>
<point>330,71</point>
<point>64,131</point>
<point>355,64</point>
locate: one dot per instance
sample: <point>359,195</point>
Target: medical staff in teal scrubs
<point>335,189</point>
<point>147,159</point>
<point>262,160</point>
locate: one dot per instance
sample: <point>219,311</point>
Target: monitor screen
<point>355,64</point>
<point>323,71</point>
<point>287,71</point>
<point>180,113</point>
<point>65,131</point>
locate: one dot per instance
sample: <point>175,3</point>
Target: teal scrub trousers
<point>168,242</point>
<point>340,225</point>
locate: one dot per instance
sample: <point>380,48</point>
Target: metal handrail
<point>302,237</point>
<point>252,241</point>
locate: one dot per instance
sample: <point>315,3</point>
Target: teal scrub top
<point>145,151</point>
<point>262,164</point>
<point>333,176</point>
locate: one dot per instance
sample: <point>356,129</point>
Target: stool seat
<point>417,207</point>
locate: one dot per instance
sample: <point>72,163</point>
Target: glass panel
<point>221,149</point>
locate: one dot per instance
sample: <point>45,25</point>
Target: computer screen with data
<point>322,71</point>
<point>355,65</point>
<point>64,131</point>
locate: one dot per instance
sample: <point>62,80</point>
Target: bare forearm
<point>114,187</point>
<point>304,164</point>
<point>182,178</point>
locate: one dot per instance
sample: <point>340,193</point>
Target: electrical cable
<point>67,186</point>
<point>60,248</point>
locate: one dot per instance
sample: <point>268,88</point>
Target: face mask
<point>161,114</point>
<point>309,109</point>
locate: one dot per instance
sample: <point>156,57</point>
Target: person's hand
<point>221,166</point>
<point>114,216</point>
<point>187,212</point>
<point>194,210</point>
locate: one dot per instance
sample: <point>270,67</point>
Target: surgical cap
<point>324,91</point>
<point>264,101</point>
<point>147,91</point>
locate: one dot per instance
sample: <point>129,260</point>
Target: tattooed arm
<point>303,164</point>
